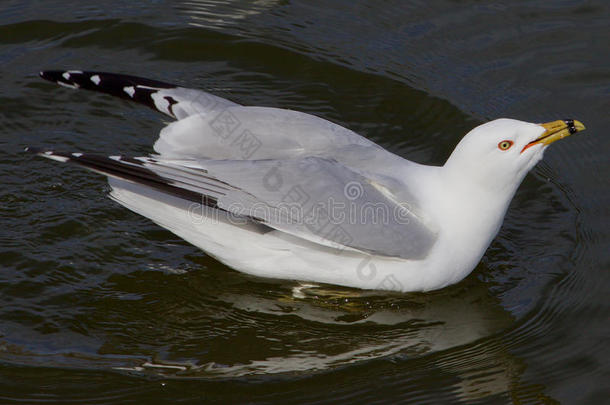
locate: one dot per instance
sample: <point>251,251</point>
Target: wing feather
<point>313,198</point>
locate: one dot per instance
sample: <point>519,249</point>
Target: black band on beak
<point>571,127</point>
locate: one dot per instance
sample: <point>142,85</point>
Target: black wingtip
<point>52,75</point>
<point>100,81</point>
<point>33,150</point>
<point>128,169</point>
<point>67,78</point>
<point>127,87</point>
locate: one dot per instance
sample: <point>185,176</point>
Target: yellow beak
<point>556,130</point>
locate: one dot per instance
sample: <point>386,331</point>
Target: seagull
<point>283,194</point>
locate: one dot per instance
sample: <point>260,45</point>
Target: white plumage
<point>283,194</point>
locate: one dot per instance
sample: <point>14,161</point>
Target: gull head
<point>497,155</point>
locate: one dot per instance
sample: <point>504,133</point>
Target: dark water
<point>99,305</point>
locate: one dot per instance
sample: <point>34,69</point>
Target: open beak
<point>556,130</point>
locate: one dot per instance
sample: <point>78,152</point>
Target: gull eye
<point>505,145</point>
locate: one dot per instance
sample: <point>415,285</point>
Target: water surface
<point>99,305</point>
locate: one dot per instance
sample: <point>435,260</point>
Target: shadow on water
<point>222,325</point>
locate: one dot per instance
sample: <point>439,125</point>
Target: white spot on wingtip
<point>68,85</point>
<point>77,154</point>
<point>49,154</point>
<point>141,86</point>
<point>96,79</point>
<point>66,75</point>
<point>129,90</point>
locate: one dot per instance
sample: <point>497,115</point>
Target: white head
<point>497,155</point>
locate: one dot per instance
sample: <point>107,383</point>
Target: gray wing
<point>326,202</point>
<point>212,127</point>
<point>237,132</point>
<point>316,199</point>
<point>313,198</point>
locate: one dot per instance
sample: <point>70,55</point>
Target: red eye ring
<point>505,145</point>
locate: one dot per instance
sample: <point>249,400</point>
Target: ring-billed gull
<point>284,194</point>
